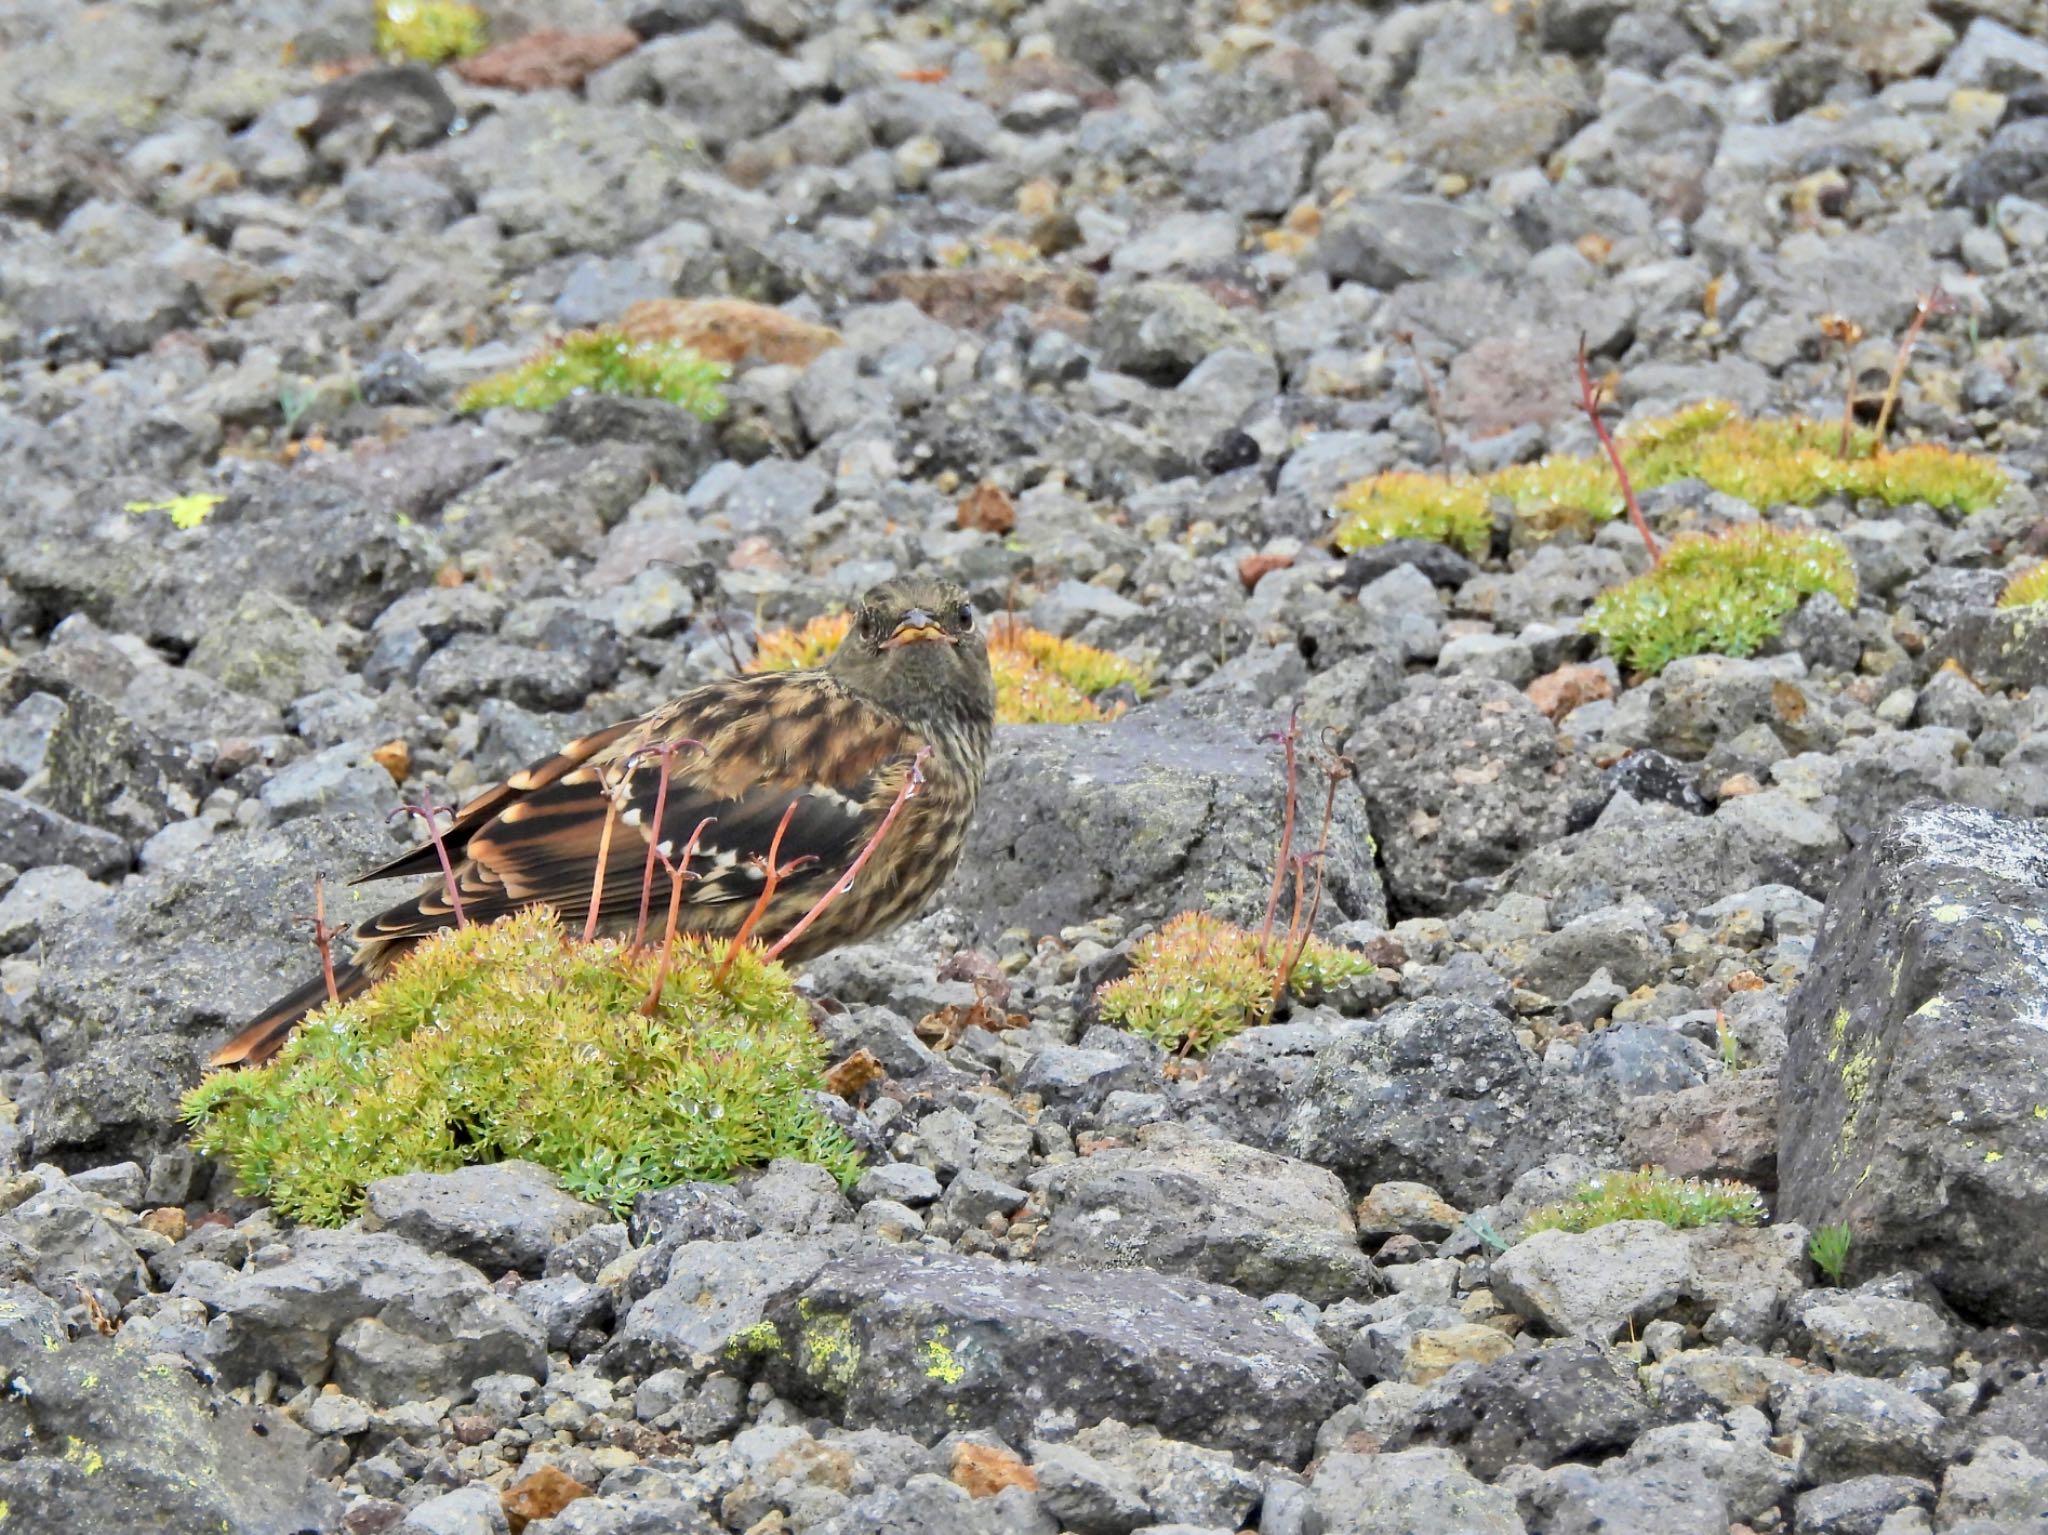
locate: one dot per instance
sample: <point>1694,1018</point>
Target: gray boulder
<point>1463,775</point>
<point>135,990</point>
<point>1912,1082</point>
<point>1568,1401</point>
<point>1148,816</point>
<point>506,1215</point>
<point>1437,1092</point>
<point>1595,1284</point>
<point>32,835</point>
<point>930,1344</point>
<point>384,1320</point>
<point>1409,1492</point>
<point>1210,1209</point>
<point>102,1435</point>
<point>1999,648</point>
<point>711,1291</point>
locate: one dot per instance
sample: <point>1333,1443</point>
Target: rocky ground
<point>1169,274</point>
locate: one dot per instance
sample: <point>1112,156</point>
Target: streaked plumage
<point>834,741</point>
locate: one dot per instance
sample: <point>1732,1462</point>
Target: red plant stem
<point>1340,769</point>
<point>1848,408</point>
<point>1590,401</point>
<point>771,876</point>
<point>430,812</point>
<point>666,751</point>
<point>1436,404</point>
<point>677,873</point>
<point>604,854</point>
<point>1934,301</point>
<point>323,938</point>
<point>1286,827</point>
<point>653,830</point>
<point>913,780</point>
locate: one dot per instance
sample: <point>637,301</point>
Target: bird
<point>827,748</point>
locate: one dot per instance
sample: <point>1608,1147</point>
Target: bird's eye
<point>965,613</point>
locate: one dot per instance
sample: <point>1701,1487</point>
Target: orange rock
<point>854,1074</point>
<point>541,1496</point>
<point>1737,785</point>
<point>987,509</point>
<point>1254,566</point>
<point>395,758</point>
<point>985,1471</point>
<point>1558,693</point>
<point>729,329</point>
<point>548,60</point>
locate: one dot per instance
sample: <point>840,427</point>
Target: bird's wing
<point>764,744</point>
<point>423,859</point>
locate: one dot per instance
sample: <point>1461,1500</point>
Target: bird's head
<point>916,645</point>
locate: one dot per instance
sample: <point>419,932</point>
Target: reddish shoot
<point>1589,400</point>
<point>913,781</point>
<point>431,813</point>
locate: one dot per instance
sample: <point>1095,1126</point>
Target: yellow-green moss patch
<point>431,31</point>
<point>1650,1195</point>
<point>501,1041</point>
<point>1724,593</point>
<point>1791,461</point>
<point>2027,588</point>
<point>1199,981</point>
<point>605,362</point>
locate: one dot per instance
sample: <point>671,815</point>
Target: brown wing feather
<point>765,743</point>
<point>422,859</point>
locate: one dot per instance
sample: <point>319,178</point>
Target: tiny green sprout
<point>503,1040</point>
<point>186,512</point>
<point>2028,587</point>
<point>1723,593</point>
<point>1730,1046</point>
<point>1829,1249</point>
<point>606,362</point>
<point>430,31</point>
<point>1486,1232</point>
<point>1200,981</point>
<point>1650,1195</point>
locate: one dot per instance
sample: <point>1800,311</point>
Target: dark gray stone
<point>1860,1505</point>
<point>134,991</point>
<point>385,1320</point>
<point>1566,1401</point>
<point>1211,1209</point>
<point>104,1436</point>
<point>1636,1059</point>
<point>1387,241</point>
<point>32,835</point>
<point>1912,1071</point>
<point>1148,816</point>
<point>505,1215</point>
<point>1852,1427</point>
<point>1408,1492</point>
<point>1436,1092</point>
<point>1461,776</point>
<point>2001,648</point>
<point>929,1344</point>
<point>712,1291</point>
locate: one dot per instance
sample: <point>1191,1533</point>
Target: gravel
<point>1169,277</point>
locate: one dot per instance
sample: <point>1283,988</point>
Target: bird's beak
<point>914,628</point>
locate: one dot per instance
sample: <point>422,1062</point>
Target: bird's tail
<point>265,1036</point>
